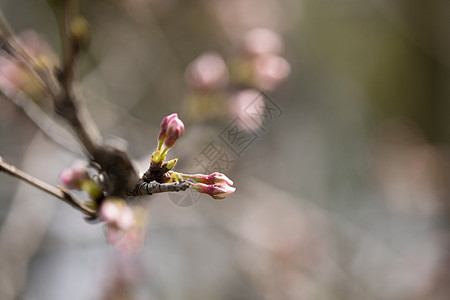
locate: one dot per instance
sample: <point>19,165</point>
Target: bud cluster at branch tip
<point>217,185</point>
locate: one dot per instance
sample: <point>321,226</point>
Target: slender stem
<point>148,188</point>
<point>66,104</point>
<point>49,189</point>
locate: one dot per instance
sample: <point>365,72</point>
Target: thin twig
<point>59,193</point>
<point>148,188</point>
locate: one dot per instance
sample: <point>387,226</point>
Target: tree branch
<point>49,189</point>
<point>148,188</point>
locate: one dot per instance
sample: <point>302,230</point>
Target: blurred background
<point>342,178</point>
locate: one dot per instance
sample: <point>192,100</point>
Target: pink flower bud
<point>217,191</point>
<point>175,129</point>
<point>262,41</point>
<point>126,218</point>
<point>214,178</point>
<point>116,213</point>
<point>221,178</point>
<point>164,123</point>
<point>15,78</point>
<point>269,71</point>
<point>125,226</point>
<point>74,176</point>
<point>66,177</point>
<point>109,211</point>
<point>246,105</point>
<point>208,72</point>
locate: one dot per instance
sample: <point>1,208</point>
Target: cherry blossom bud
<point>269,71</point>
<point>126,218</point>
<point>217,191</point>
<point>116,213</point>
<point>175,129</point>
<point>125,225</point>
<point>109,211</point>
<point>246,106</point>
<point>163,133</point>
<point>214,178</point>
<point>80,31</point>
<point>207,73</point>
<point>74,176</point>
<point>262,41</point>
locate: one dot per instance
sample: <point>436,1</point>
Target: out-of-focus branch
<point>148,188</point>
<point>113,162</point>
<point>49,189</point>
<point>10,45</point>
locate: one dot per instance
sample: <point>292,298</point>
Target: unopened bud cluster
<point>216,185</point>
<point>125,224</point>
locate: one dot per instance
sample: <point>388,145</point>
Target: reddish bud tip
<point>175,129</point>
<point>164,123</point>
<point>74,176</point>
<point>214,178</point>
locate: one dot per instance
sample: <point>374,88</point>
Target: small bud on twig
<point>217,191</point>
<point>74,176</point>
<point>171,129</point>
<point>163,133</point>
<point>214,178</point>
<point>80,31</point>
<point>169,165</point>
<point>175,129</point>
